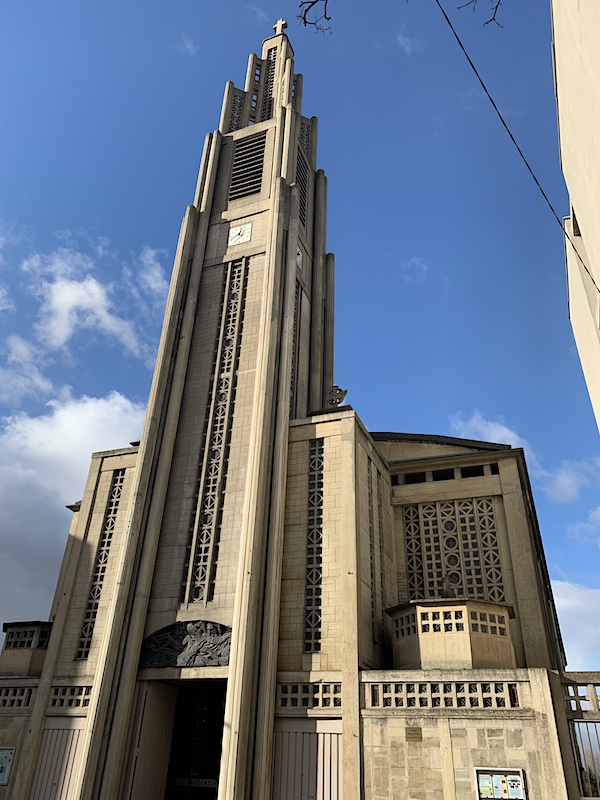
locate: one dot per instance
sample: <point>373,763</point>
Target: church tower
<point>261,600</point>
<point>247,345</point>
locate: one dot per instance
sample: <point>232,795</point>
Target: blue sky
<point>451,314</point>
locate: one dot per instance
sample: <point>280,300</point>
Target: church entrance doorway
<point>196,743</point>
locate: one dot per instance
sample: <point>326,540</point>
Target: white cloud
<point>496,430</point>
<point>6,304</point>
<point>590,529</point>
<point>151,276</point>
<point>64,262</point>
<point>261,15</point>
<point>561,485</point>
<point>414,270</point>
<point>69,305</point>
<point>471,98</point>
<point>408,45</point>
<point>565,484</point>
<point>71,300</point>
<point>577,608</point>
<point>188,46</point>
<point>43,465</point>
<point>23,377</point>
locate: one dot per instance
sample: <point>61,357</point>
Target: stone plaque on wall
<point>414,734</point>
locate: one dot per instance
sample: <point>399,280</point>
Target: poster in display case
<point>500,783</point>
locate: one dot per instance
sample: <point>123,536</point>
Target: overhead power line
<point>514,141</point>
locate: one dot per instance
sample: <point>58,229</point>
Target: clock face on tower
<point>239,234</point>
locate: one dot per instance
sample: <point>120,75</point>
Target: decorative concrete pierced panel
<point>100,564</point>
<point>583,699</point>
<point>70,696</point>
<point>205,525</point>
<point>314,549</point>
<point>237,110</point>
<point>12,697</point>
<point>305,132</point>
<point>321,696</point>
<point>191,644</point>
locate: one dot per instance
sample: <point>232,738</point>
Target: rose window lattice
<point>452,550</point>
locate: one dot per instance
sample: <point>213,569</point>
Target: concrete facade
<point>576,27</point>
<point>261,599</point>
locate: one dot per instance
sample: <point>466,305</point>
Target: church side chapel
<point>262,600</point>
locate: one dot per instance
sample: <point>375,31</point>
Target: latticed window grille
<point>309,695</point>
<point>267,103</point>
<point>247,169</point>
<point>70,696</point>
<point>205,525</point>
<point>302,181</point>
<point>453,545</point>
<point>17,640</point>
<point>295,342</point>
<point>15,696</point>
<point>100,564</point>
<point>314,549</point>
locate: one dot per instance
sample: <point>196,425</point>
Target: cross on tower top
<point>280,26</point>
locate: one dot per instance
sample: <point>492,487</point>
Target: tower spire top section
<point>270,85</point>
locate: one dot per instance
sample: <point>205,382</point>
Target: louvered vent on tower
<point>302,181</point>
<point>247,170</point>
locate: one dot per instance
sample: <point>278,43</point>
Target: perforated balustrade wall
<point>442,694</point>
<point>453,545</point>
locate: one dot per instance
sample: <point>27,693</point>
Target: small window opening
<point>415,477</point>
<point>472,472</point>
<point>443,474</point>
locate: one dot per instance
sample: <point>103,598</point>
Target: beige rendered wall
<point>576,30</point>
<point>432,754</point>
<point>584,312</point>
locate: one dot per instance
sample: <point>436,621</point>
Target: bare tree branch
<point>495,7</point>
<point>317,17</point>
<point>314,13</point>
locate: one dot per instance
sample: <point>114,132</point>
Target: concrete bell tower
<point>246,345</point>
